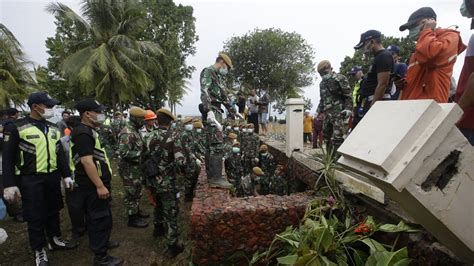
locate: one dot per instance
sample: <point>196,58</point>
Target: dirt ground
<point>137,246</point>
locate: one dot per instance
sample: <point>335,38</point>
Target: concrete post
<point>413,151</point>
<point>294,125</point>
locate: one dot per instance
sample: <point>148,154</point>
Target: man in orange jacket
<point>431,64</point>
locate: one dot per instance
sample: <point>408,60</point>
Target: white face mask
<point>236,129</point>
<point>198,130</point>
<point>244,130</point>
<point>228,128</point>
<point>250,130</point>
<point>235,149</point>
<point>188,127</point>
<point>48,113</point>
<point>100,118</point>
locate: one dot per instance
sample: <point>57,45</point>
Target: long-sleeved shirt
<point>11,152</point>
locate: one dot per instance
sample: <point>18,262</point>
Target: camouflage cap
<point>236,144</point>
<point>258,171</point>
<point>167,113</point>
<point>226,59</point>
<point>263,148</point>
<point>137,112</point>
<point>232,136</point>
<point>323,65</point>
<point>197,124</point>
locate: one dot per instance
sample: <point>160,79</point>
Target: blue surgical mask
<point>414,33</point>
<point>235,149</point>
<point>188,127</point>
<point>223,71</point>
<point>173,125</point>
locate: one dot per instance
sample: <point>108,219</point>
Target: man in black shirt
<point>34,161</point>
<point>93,174</point>
<point>376,86</point>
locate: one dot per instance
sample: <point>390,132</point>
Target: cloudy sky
<point>332,27</point>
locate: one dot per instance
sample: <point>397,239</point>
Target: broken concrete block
<point>413,151</point>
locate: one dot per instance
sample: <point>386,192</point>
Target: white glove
<point>3,236</point>
<point>68,183</point>
<point>346,113</point>
<point>198,162</point>
<point>178,195</point>
<point>239,115</point>
<point>10,193</point>
<point>212,119</point>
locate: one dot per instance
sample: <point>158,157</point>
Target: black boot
<point>107,261</point>
<point>19,218</point>
<point>174,250</point>
<point>135,221</point>
<point>158,230</point>
<point>142,214</point>
<point>113,244</point>
<point>57,243</point>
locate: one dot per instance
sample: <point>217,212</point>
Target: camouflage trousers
<point>132,186</point>
<point>191,176</point>
<point>334,129</point>
<point>166,215</point>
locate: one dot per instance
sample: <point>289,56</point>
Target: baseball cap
<point>354,70</point>
<point>393,49</point>
<point>424,12</point>
<point>42,98</point>
<point>400,70</point>
<point>89,105</point>
<point>368,35</point>
<point>11,111</point>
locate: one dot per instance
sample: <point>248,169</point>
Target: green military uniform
<point>278,184</point>
<point>335,98</point>
<point>251,142</point>
<point>170,157</point>
<point>130,149</point>
<point>233,166</point>
<point>267,164</point>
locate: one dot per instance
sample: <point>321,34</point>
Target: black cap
<point>368,35</point>
<point>42,98</point>
<point>393,49</point>
<point>354,70</point>
<point>89,105</point>
<point>424,12</point>
<point>11,111</point>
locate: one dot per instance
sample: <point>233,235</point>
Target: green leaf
<point>403,262</point>
<point>359,257</point>
<point>378,258</point>
<point>400,227</point>
<point>288,260</point>
<point>373,245</point>
<point>326,261</point>
<point>398,255</point>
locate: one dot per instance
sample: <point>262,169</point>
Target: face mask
<point>367,50</point>
<point>48,113</point>
<point>188,127</point>
<point>250,130</point>
<point>198,130</point>
<point>236,129</point>
<point>228,128</point>
<point>464,11</point>
<point>244,130</point>
<point>263,153</point>
<point>235,149</point>
<point>100,118</point>
<point>414,33</point>
<point>223,71</point>
<point>173,125</point>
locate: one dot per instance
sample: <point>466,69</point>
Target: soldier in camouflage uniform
<point>131,148</point>
<point>233,165</point>
<point>250,150</point>
<point>230,140</point>
<point>163,187</point>
<point>335,103</point>
<point>192,162</point>
<point>115,127</point>
<point>213,95</point>
<point>200,139</point>
<point>267,163</point>
<point>278,184</point>
<point>250,183</point>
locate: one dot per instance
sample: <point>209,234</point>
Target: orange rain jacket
<point>431,65</point>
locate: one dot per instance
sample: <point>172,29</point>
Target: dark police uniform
<point>33,146</point>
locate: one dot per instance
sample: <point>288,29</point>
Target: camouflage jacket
<point>247,186</point>
<point>335,94</point>
<point>212,89</point>
<point>278,185</point>
<point>199,143</point>
<point>233,167</point>
<point>251,143</point>
<point>267,164</point>
<point>170,158</point>
<point>131,145</point>
<point>116,126</point>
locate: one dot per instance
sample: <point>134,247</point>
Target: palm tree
<point>113,64</point>
<point>15,77</point>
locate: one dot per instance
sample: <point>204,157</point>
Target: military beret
<point>236,144</point>
<point>232,136</point>
<point>323,65</point>
<point>197,124</point>
<point>226,59</point>
<point>167,113</point>
<point>137,112</point>
<point>250,125</point>
<point>118,113</point>
<point>257,170</point>
<point>187,120</point>
<point>263,148</point>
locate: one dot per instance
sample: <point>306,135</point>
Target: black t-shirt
<point>383,62</point>
<point>84,145</point>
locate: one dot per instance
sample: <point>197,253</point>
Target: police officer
<point>34,148</point>
<point>92,174</point>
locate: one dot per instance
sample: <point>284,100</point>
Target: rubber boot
<point>215,177</point>
<point>137,222</point>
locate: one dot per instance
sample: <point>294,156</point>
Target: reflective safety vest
<point>37,149</point>
<point>99,157</point>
